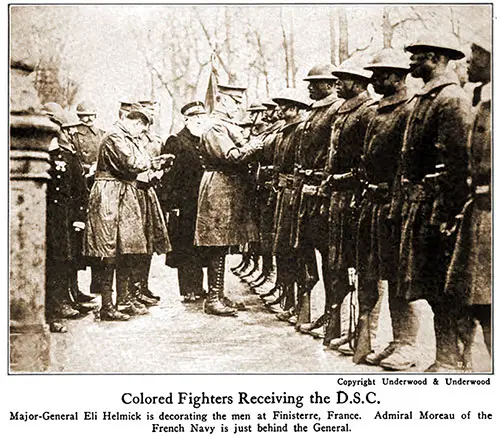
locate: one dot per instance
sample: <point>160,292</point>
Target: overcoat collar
<point>327,101</point>
<point>393,99</point>
<point>353,103</point>
<point>447,78</point>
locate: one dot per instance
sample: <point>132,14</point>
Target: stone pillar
<point>30,135</point>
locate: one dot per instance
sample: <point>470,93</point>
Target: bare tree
<point>343,36</point>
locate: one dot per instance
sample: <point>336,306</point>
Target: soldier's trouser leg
<point>190,278</point>
<point>369,310</point>
<point>287,279</point>
<point>145,267</point>
<point>446,331</point>
<point>338,290</point>
<point>56,291</point>
<point>123,285</point>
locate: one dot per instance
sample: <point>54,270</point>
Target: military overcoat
<point>116,222</point>
<point>87,140</point>
<point>377,239</point>
<point>469,275</point>
<point>224,216</point>
<point>66,203</point>
<point>346,145</point>
<point>178,192</point>
<point>312,153</point>
<point>436,135</point>
<point>286,203</point>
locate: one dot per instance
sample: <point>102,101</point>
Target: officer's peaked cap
<point>444,43</point>
<point>235,91</point>
<point>293,96</point>
<point>321,72</point>
<point>193,108</point>
<point>138,109</point>
<point>389,59</point>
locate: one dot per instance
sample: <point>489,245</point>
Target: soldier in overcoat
<point>178,193</point>
<point>224,216</point>
<point>311,230</point>
<point>87,137</point>
<point>147,183</point>
<point>379,226</point>
<point>434,179</point>
<point>116,231</point>
<point>66,212</point>
<point>342,185</point>
<point>291,103</point>
<point>468,280</point>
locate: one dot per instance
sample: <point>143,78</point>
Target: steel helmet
<point>353,67</point>
<point>55,112</point>
<point>321,72</point>
<point>86,109</point>
<point>292,95</point>
<point>447,44</point>
<point>256,107</point>
<point>389,59</point>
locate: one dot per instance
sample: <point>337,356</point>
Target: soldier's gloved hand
<point>78,226</point>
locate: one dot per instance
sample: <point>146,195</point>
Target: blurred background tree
<point>105,53</point>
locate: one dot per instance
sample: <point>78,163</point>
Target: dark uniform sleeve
<point>79,190</point>
<point>167,189</point>
<point>221,144</point>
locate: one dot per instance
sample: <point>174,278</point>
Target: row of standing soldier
<point>382,187</point>
<point>376,186</point>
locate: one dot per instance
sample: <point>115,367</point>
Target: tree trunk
<point>285,49</point>
<point>293,68</point>
<point>333,40</point>
<point>343,36</point>
<point>387,29</point>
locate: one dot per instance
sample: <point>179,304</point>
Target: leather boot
<point>215,272</point>
<point>104,276</point>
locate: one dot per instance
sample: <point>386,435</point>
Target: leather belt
<point>107,176</point>
<point>285,180</point>
<point>309,189</point>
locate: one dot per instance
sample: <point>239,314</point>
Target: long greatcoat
<point>469,275</point>
<point>116,222</point>
<point>66,203</point>
<point>312,154</point>
<point>436,133</point>
<point>348,133</point>
<point>224,216</point>
<point>286,203</point>
<point>178,192</point>
<point>377,244</point>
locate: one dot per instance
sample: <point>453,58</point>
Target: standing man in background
<point>178,194</point>
<point>224,218</point>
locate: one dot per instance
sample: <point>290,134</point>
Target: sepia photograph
<point>250,189</point>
